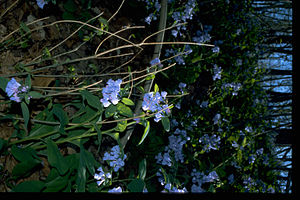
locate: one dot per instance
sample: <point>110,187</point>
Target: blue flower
<point>230,178</point>
<point>252,159</point>
<point>211,177</point>
<point>115,158</point>
<point>204,104</point>
<point>41,3</point>
<point>155,61</point>
<point>201,37</point>
<point>174,33</point>
<point>216,119</point>
<point>153,102</point>
<point>111,92</point>
<point>173,189</point>
<point>164,159</point>
<point>217,72</point>
<point>234,86</point>
<point>259,151</point>
<point>210,142</point>
<point>101,176</point>
<point>13,89</point>
<point>115,190</point>
<point>216,49</point>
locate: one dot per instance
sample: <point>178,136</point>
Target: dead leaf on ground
<point>42,81</point>
<point>7,61</point>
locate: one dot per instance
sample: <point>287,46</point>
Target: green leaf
<point>197,59</point>
<point>27,99</point>
<point>221,172</point>
<point>142,169</point>
<point>73,161</point>
<point>85,114</point>
<point>57,184</point>
<point>113,135</point>
<point>3,144</point>
<point>52,175</point>
<point>35,95</point>
<point>28,81</point>
<point>136,185</point>
<point>29,186</point>
<point>121,126</point>
<point>244,142</point>
<point>124,110</point>
<point>81,178</point>
<point>68,16</point>
<point>239,155</point>
<point>25,113</point>
<point>92,100</point>
<point>81,172</point>
<point>46,53</point>
<point>164,74</point>
<point>86,162</point>
<point>24,27</point>
<point>166,123</point>
<point>23,169</point>
<point>127,101</point>
<point>156,88</point>
<point>99,134</point>
<point>110,110</point>
<point>55,158</point>
<point>89,161</point>
<point>146,131</point>
<point>62,116</point>
<point>150,77</point>
<point>70,6</point>
<point>41,129</point>
<point>21,154</point>
<point>103,21</point>
<point>3,83</point>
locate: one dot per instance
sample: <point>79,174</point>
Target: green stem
<point>37,137</point>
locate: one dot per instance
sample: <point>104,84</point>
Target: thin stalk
<point>157,50</point>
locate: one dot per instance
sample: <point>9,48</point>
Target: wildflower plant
<point>94,131</point>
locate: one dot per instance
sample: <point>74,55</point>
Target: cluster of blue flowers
<point>154,102</point>
<point>168,186</point>
<point>181,90</point>
<point>115,158</point>
<point>253,156</point>
<point>181,87</point>
<point>202,36</point>
<point>199,178</point>
<point>13,89</point>
<point>173,189</point>
<point>178,59</point>
<point>235,87</point>
<point>101,176</point>
<point>249,183</point>
<point>217,72</point>
<point>183,16</point>
<point>149,5</point>
<point>176,142</point>
<point>210,142</point>
<point>111,92</point>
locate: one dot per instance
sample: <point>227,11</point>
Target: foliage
<point>209,131</point>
